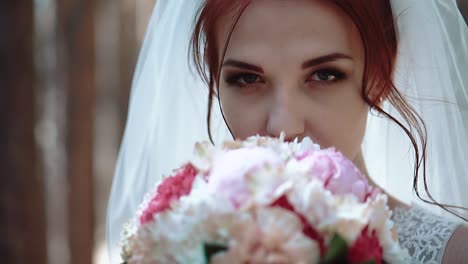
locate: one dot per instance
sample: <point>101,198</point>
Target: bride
<point>384,81</point>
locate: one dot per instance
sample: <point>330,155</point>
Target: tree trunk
<point>128,55</point>
<point>22,218</point>
<point>75,20</point>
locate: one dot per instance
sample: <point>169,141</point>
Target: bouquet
<point>263,200</point>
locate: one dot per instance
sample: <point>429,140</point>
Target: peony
<point>228,178</point>
<point>338,174</point>
<point>273,235</point>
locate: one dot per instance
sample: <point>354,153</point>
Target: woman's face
<point>294,66</point>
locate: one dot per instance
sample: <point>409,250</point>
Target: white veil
<point>168,107</point>
<point>167,114</point>
<point>432,71</point>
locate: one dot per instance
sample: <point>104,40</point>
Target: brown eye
<point>248,79</point>
<point>326,76</point>
<point>323,76</point>
<point>243,79</point>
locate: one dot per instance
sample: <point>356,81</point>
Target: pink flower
<point>304,154</point>
<point>171,189</point>
<point>230,169</point>
<point>339,174</point>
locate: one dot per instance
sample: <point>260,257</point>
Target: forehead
<point>290,28</point>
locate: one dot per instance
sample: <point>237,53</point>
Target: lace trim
<point>423,234</point>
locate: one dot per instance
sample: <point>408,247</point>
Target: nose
<point>284,116</point>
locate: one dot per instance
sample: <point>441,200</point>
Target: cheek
<point>245,118</point>
<point>350,134</point>
<point>342,126</point>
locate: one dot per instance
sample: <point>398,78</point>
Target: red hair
<point>376,25</point>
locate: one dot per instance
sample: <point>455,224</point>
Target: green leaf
<point>211,249</point>
<point>336,252</point>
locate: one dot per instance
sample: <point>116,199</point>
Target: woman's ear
<point>377,96</point>
<point>380,101</point>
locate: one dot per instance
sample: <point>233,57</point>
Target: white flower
<point>379,220</point>
<point>349,218</point>
<point>203,156</point>
<point>180,229</point>
<point>312,200</point>
<point>272,235</point>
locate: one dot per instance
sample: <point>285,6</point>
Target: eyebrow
<point>242,65</point>
<point>305,65</point>
<point>324,59</point>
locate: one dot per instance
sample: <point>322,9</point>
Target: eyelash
<point>338,75</point>
<point>236,79</point>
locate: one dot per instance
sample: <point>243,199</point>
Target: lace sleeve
<point>423,234</point>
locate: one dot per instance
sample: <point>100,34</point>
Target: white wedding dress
<point>167,114</point>
<point>423,234</point>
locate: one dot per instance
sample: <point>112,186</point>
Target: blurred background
<point>66,68</point>
<point>65,73</point>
